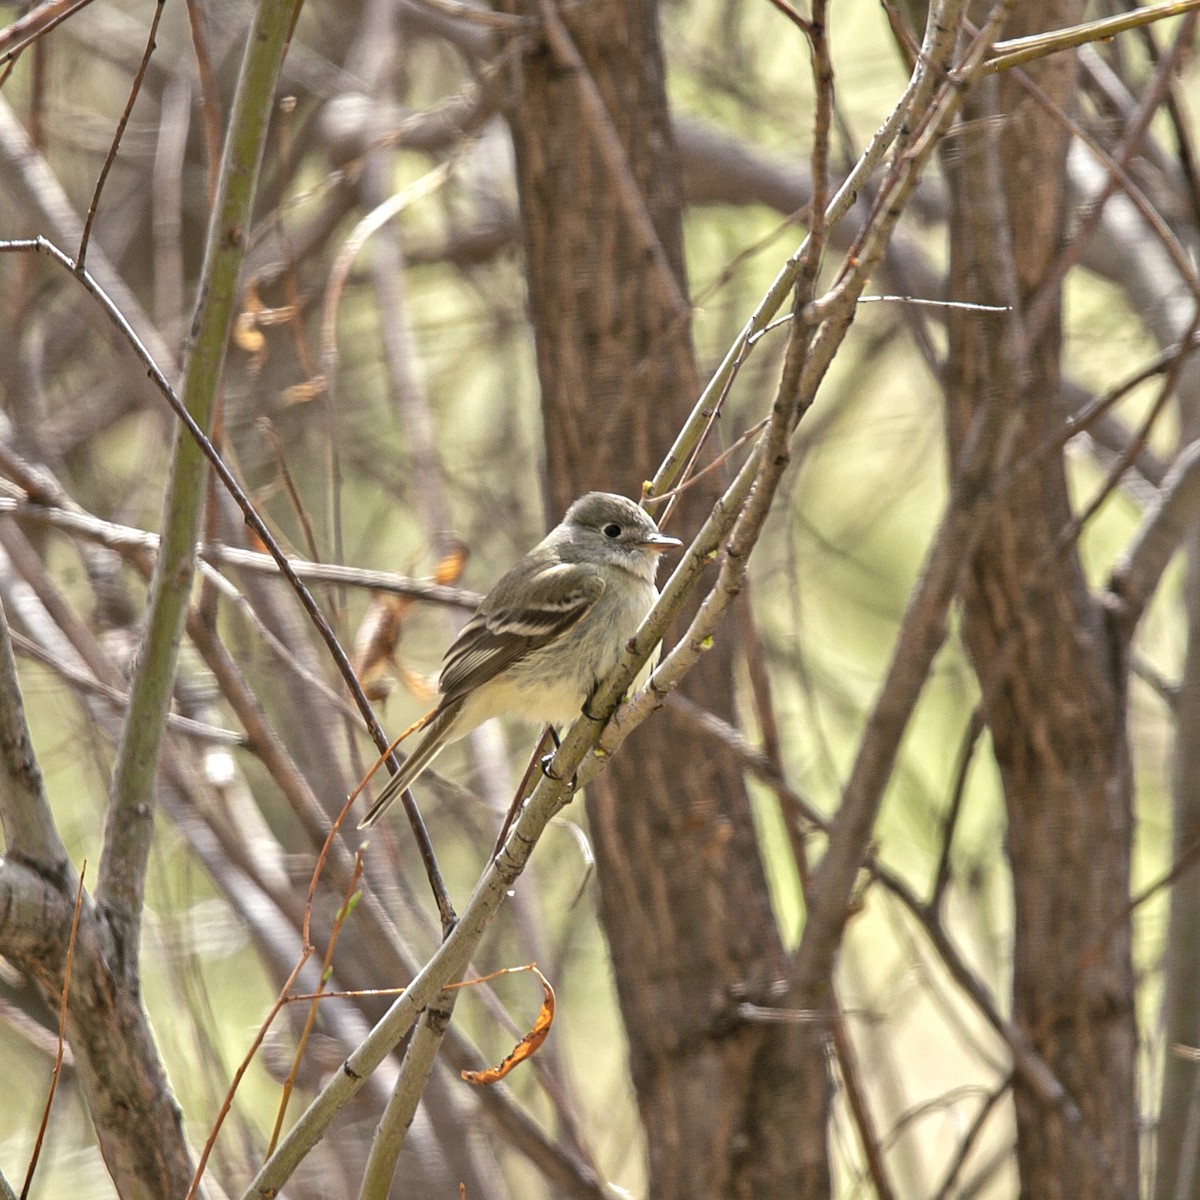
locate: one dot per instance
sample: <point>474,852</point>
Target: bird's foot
<point>547,761</point>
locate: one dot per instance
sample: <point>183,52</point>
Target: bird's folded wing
<point>509,626</point>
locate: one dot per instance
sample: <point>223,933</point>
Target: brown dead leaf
<point>303,393</point>
<point>449,570</point>
<point>530,1043</point>
<point>376,661</point>
<point>247,335</point>
<point>377,637</point>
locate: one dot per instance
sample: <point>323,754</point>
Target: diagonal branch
<point>1136,574</point>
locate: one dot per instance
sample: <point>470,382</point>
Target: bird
<point>551,628</point>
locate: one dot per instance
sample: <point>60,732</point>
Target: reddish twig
<point>339,920</point>
<point>234,1084</point>
<point>691,477</point>
<point>283,998</point>
<point>210,100</point>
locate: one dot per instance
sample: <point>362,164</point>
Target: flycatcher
<point>548,632</point>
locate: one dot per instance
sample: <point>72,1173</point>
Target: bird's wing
<point>509,626</point>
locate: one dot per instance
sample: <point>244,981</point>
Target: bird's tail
<point>438,733</point>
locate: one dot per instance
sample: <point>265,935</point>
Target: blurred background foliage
<point>829,582</point>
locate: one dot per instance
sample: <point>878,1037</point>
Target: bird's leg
<point>547,759</point>
<point>525,788</point>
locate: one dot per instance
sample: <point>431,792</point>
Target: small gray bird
<point>548,632</point>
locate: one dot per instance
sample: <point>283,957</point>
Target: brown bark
<point>682,893</point>
<point>1054,686</point>
<point>116,1060</point>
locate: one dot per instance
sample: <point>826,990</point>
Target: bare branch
<point>1022,50</point>
<point>29,829</point>
<point>1136,574</point>
<point>111,157</point>
<point>35,24</point>
<point>419,1059</point>
<point>129,824</point>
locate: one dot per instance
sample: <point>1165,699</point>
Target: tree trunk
<point>683,897</point>
<point>1054,687</point>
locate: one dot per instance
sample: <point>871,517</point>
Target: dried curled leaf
<point>303,393</point>
<point>248,328</point>
<point>376,661</point>
<point>246,332</point>
<point>376,640</point>
<point>529,1044</point>
<point>248,336</point>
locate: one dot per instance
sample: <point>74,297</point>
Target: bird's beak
<point>659,542</point>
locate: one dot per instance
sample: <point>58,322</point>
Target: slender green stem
<point>1013,53</point>
<point>129,825</point>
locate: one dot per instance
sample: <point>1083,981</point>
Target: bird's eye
<point>612,530</point>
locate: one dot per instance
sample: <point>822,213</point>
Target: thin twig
<point>124,538</point>
<point>966,752</point>
<point>859,1109</point>
<point>1183,138</point>
<point>963,1151</point>
<point>1074,527</point>
<point>111,157</point>
<point>691,478</point>
<point>243,1066</point>
<point>307,951</point>
<point>1079,422</point>
<point>254,520</point>
<point>1033,1070</point>
<point>210,99</point>
<point>1183,863</point>
<point>326,971</point>
<point>1038,311</point>
<point>289,484</point>
<point>36,24</point>
<point>119,699</point>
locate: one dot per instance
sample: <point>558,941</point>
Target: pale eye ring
<point>612,530</point>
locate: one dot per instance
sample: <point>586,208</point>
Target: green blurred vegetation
<point>829,587</point>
